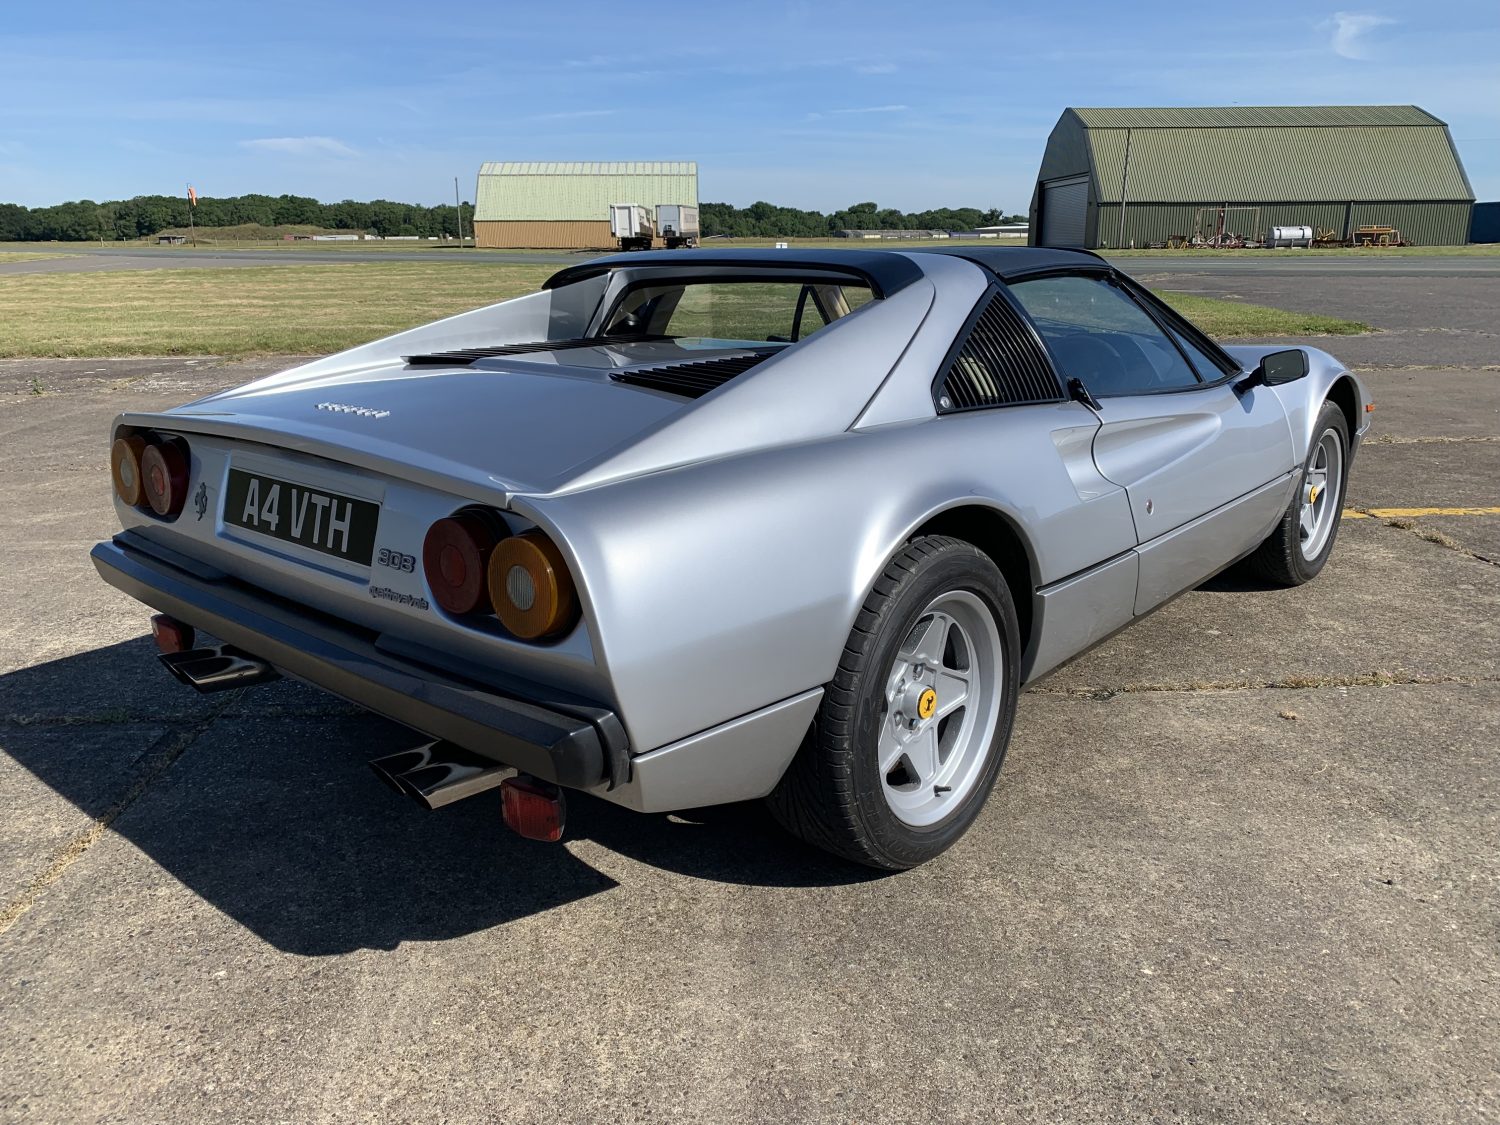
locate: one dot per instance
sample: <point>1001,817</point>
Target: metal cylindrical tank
<point>1290,236</point>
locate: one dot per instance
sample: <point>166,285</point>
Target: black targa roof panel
<point>1007,262</point>
<point>885,272</point>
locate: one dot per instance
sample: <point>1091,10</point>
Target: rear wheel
<point>911,732</point>
<point>1299,547</point>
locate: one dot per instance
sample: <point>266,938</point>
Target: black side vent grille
<point>469,355</point>
<point>1000,364</point>
<point>696,377</point>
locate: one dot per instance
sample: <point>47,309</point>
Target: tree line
<point>766,220</point>
<point>145,215</point>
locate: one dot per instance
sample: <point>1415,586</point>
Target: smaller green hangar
<point>1139,177</point>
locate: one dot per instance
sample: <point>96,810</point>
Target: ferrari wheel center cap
<point>1312,494</point>
<point>926,704</point>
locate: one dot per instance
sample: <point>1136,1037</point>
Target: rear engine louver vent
<point>1000,364</point>
<point>695,378</point>
<point>469,355</point>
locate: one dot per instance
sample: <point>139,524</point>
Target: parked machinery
<point>677,224</point>
<point>631,224</point>
<point>1290,236</point>
<point>1376,234</point>
<point>1215,227</point>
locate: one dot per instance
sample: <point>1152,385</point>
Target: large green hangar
<point>1142,177</point>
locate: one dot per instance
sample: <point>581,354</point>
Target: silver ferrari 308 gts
<point>684,529</point>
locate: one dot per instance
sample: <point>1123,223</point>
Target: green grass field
<point>24,256</point>
<point>316,309</point>
<point>269,310</point>
<point>1227,319</point>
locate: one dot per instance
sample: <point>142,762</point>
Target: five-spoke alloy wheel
<point>1303,540</point>
<point>911,732</point>
<point>940,711</point>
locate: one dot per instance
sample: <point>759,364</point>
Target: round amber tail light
<point>164,476</point>
<point>454,556</point>
<point>125,468</point>
<point>530,586</point>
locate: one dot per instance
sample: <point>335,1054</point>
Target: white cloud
<point>300,146</point>
<point>1350,30</point>
<point>573,115</point>
<point>876,68</point>
<point>873,109</point>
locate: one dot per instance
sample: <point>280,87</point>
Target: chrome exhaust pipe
<point>218,668</point>
<point>438,773</point>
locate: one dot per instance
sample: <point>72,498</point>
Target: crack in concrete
<point>1426,534</point>
<point>1290,683</point>
<point>1388,439</point>
<point>158,760</point>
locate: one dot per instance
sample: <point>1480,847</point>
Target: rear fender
<point>720,588</point>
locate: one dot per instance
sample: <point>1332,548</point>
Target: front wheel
<point>911,732</point>
<point>1299,547</point>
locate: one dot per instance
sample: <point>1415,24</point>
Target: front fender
<point>1303,398</point>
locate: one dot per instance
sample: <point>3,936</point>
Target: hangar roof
<point>1185,116</point>
<point>1260,154</point>
<point>542,191</point>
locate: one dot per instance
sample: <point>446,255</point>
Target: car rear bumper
<point>560,739</point>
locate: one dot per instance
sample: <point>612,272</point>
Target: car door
<point>1207,467</point>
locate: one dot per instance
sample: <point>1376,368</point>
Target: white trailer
<point>631,224</point>
<point>677,223</point>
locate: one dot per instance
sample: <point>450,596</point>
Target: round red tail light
<point>164,476</point>
<point>455,556</point>
<point>125,468</point>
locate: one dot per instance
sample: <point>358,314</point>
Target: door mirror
<point>1283,367</point>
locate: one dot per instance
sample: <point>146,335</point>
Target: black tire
<point>1280,560</point>
<point>832,795</point>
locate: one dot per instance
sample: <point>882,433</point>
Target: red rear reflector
<point>164,477</point>
<point>533,808</point>
<point>454,556</point>
<point>172,635</point>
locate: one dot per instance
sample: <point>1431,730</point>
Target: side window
<point>1098,334</point>
<point>1208,370</point>
<point>998,364</point>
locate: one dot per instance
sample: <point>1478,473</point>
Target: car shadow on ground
<point>271,815</point>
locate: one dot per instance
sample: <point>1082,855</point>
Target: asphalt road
<point>1240,864</point>
<point>80,257</point>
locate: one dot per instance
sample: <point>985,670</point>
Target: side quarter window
<point>1098,334</point>
<point>997,362</point>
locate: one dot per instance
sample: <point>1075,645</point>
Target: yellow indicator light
<point>927,704</point>
<point>530,587</point>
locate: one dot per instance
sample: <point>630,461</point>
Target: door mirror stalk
<point>1275,369</point>
<point>1079,393</point>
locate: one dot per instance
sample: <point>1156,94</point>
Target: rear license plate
<point>341,526</point>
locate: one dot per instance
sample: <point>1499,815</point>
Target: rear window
<point>735,311</point>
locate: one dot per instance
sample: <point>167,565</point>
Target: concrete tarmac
<point>89,257</point>
<point>1239,865</point>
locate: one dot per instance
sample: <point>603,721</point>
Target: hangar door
<point>1065,205</point>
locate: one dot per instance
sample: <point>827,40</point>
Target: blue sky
<point>817,105</point>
